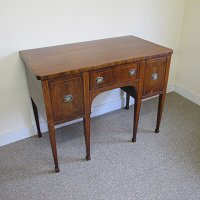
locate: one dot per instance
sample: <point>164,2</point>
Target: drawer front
<point>112,75</point>
<point>66,97</point>
<point>154,76</point>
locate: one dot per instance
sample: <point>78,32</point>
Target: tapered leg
<point>50,120</point>
<point>127,101</point>
<point>35,111</point>
<point>137,106</point>
<point>160,110</point>
<point>53,145</point>
<point>86,121</point>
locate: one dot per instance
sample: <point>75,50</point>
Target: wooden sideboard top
<point>56,61</point>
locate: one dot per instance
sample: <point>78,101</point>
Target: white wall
<point>188,72</point>
<point>35,23</point>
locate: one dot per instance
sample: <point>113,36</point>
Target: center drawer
<point>112,75</point>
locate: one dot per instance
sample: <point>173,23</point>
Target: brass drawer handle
<point>154,76</point>
<point>99,79</point>
<point>132,72</point>
<point>68,98</point>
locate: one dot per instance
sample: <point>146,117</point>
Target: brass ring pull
<point>99,79</point>
<point>132,72</point>
<point>68,98</point>
<point>154,76</point>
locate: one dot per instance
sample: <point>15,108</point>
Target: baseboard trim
<point>170,87</point>
<point>16,135</point>
<point>187,93</point>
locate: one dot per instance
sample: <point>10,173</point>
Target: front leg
<point>50,121</point>
<point>86,118</point>
<point>86,121</point>
<point>137,106</point>
<point>53,145</point>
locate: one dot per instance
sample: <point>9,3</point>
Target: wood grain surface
<point>56,61</point>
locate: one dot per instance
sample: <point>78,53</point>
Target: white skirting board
<point>16,135</point>
<point>187,93</point>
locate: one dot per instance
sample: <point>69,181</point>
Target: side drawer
<point>113,75</point>
<point>66,97</point>
<point>154,76</point>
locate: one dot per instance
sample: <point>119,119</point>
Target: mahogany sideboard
<point>63,80</point>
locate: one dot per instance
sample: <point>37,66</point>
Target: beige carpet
<point>157,166</point>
